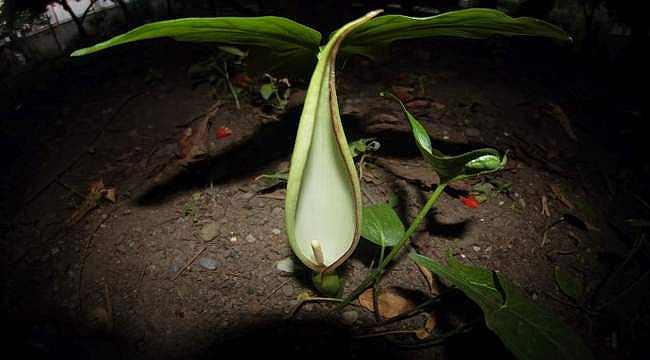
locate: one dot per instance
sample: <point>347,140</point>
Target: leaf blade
<point>379,33</point>
<point>526,329</point>
<point>381,225</point>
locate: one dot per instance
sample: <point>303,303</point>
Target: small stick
<point>189,262</point>
<point>109,306</point>
<point>545,211</point>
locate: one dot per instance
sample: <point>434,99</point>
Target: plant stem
<point>374,275</point>
<point>418,219</point>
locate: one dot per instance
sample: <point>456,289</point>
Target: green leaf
<point>381,225</point>
<point>285,41</point>
<point>363,146</point>
<point>449,168</point>
<point>266,90</point>
<point>526,329</point>
<point>374,37</point>
<point>323,202</point>
<point>567,283</point>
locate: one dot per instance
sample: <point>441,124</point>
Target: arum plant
<point>323,205</point>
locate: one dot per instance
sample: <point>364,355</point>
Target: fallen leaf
<point>428,327</point>
<point>193,144</point>
<point>390,303</point>
<point>223,132</point>
<point>109,194</point>
<point>470,201</point>
<point>242,80</point>
<point>95,194</point>
<point>560,195</point>
<point>432,281</point>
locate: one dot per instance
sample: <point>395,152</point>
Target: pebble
<point>209,231</point>
<point>233,239</point>
<point>277,211</point>
<point>350,317</point>
<point>276,231</point>
<point>286,265</point>
<point>476,248</point>
<point>250,238</point>
<point>207,263</point>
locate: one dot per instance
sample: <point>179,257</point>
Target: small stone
<point>277,211</point>
<point>522,203</point>
<point>350,317</point>
<point>286,265</point>
<point>209,231</point>
<point>250,238</point>
<point>54,251</point>
<point>207,263</point>
<point>276,231</point>
<point>233,239</point>
<point>476,248</point>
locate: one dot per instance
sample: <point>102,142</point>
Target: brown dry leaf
<point>95,194</point>
<point>432,281</point>
<point>193,145</point>
<point>555,112</point>
<point>405,93</point>
<point>429,325</point>
<point>390,303</point>
<point>560,195</point>
<point>109,194</point>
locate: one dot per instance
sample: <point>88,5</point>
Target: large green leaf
<point>472,163</point>
<point>323,202</point>
<point>375,36</point>
<point>526,329</point>
<point>381,225</point>
<point>284,40</point>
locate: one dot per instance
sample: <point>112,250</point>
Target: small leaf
<point>526,329</point>
<point>485,188</point>
<point>363,146</point>
<point>567,283</point>
<point>390,303</point>
<point>428,327</point>
<point>381,225</point>
<point>450,168</point>
<point>267,90</point>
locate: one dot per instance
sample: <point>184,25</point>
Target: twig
<point>276,290</point>
<point>545,211</point>
<point>109,306</point>
<point>182,270</point>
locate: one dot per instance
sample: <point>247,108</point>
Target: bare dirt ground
<point>184,263</point>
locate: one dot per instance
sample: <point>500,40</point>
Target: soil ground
<point>184,263</point>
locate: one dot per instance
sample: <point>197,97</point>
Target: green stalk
<point>374,275</point>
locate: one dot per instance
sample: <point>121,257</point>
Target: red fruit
<point>223,132</point>
<point>470,202</point>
